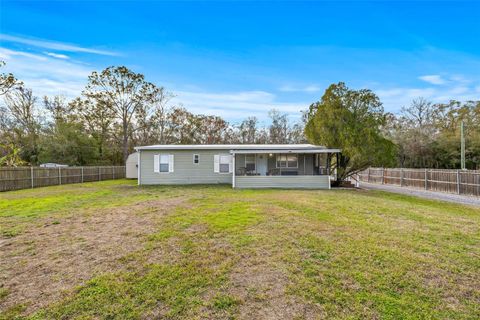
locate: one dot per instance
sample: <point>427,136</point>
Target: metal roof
<point>243,148</point>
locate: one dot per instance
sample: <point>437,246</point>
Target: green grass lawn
<point>115,250</point>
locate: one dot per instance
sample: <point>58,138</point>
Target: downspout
<point>138,168</point>
<point>233,171</point>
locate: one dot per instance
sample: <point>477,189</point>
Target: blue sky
<point>242,58</point>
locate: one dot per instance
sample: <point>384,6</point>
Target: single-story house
<point>241,165</point>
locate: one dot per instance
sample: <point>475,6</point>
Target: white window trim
<point>193,159</point>
<point>229,163</point>
<point>279,154</point>
<point>170,163</point>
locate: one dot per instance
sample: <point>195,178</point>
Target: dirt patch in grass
<point>261,288</point>
<point>243,254</point>
<point>37,266</point>
<point>257,286</point>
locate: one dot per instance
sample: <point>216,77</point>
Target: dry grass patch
<point>43,262</point>
<point>267,254</point>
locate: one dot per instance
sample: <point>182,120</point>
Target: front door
<point>262,164</point>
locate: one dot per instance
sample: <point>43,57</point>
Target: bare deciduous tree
<point>125,93</point>
<point>248,130</point>
<point>21,105</point>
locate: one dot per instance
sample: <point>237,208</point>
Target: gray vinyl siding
<point>185,171</point>
<point>286,182</point>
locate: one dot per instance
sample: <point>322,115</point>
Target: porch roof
<point>246,148</point>
<point>289,150</point>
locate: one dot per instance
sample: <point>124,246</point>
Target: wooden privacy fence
<point>442,180</point>
<point>32,177</point>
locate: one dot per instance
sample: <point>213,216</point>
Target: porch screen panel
<point>287,161</point>
<point>281,161</point>
<point>292,161</point>
<point>250,162</point>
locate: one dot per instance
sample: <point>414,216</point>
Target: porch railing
<point>282,172</point>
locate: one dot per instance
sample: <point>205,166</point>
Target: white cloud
<point>9,54</point>
<point>53,45</point>
<point>395,98</point>
<point>309,88</point>
<point>46,75</point>
<point>57,55</point>
<point>459,90</point>
<point>236,105</point>
<point>460,79</point>
<point>433,79</point>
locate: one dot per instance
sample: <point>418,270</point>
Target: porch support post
<point>233,169</point>
<point>329,155</point>
<point>304,163</point>
<point>336,165</point>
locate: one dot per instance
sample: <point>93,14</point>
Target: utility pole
<point>462,146</point>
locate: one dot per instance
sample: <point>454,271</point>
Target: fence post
<point>31,175</point>
<point>82,174</point>
<point>426,179</point>
<point>401,177</point>
<point>368,175</point>
<point>59,175</point>
<point>99,175</point>
<point>383,175</point>
<point>458,181</point>
<point>113,172</point>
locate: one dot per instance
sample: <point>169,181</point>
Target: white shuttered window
<point>156,163</point>
<point>170,163</point>
<point>222,163</point>
<point>163,163</point>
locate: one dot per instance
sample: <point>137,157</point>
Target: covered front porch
<point>291,168</point>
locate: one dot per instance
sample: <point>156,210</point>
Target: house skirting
<point>286,182</point>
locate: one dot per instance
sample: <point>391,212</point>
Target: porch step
<point>346,184</point>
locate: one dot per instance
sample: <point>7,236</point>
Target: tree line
<point>421,135</point>
<point>428,134</point>
<point>119,109</point>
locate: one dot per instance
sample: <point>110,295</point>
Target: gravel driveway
<point>462,199</point>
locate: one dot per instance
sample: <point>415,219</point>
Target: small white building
<point>131,166</point>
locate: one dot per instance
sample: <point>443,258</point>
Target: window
<point>196,159</point>
<point>250,162</point>
<point>164,162</point>
<point>287,161</point>
<point>292,161</point>
<point>224,163</point>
